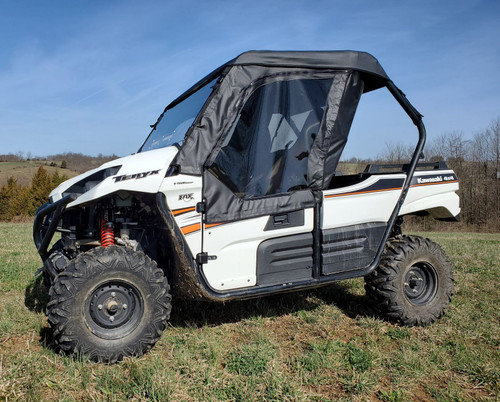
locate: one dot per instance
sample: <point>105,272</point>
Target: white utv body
<point>235,194</point>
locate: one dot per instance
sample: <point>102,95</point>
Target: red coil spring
<point>107,234</point>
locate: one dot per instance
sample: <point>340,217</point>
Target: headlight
<point>91,181</point>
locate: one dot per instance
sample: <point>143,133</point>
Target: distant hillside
<point>23,172</point>
<point>69,164</point>
<point>81,163</point>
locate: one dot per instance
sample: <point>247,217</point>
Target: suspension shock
<point>107,233</point>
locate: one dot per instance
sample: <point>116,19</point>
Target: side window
<point>267,149</point>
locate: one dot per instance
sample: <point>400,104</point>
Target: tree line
<point>476,163</point>
<point>18,202</point>
<point>76,161</point>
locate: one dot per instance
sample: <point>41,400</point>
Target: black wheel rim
<point>420,283</point>
<point>114,309</point>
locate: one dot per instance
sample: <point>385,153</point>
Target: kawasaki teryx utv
<point>236,193</point>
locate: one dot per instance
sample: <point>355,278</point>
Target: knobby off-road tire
<point>413,283</point>
<point>49,270</point>
<point>109,303</point>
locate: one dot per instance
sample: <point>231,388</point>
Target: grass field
<point>24,171</point>
<point>325,344</point>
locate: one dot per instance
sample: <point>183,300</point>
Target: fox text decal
<point>186,197</point>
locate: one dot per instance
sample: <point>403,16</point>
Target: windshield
<point>175,122</point>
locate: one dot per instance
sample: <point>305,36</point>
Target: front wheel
<point>413,283</point>
<point>109,303</point>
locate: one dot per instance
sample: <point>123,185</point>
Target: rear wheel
<point>109,303</point>
<point>413,283</point>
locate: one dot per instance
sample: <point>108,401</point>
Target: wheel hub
<point>420,283</point>
<point>113,305</point>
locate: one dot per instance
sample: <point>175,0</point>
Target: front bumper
<point>46,221</point>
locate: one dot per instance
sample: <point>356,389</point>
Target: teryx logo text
<point>135,175</point>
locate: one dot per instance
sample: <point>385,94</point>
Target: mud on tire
<point>413,283</point>
<point>109,303</point>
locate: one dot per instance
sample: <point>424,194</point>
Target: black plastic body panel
<point>350,248</point>
<point>286,220</point>
<point>285,259</point>
<point>403,167</point>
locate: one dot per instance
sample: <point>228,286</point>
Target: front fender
<point>139,173</point>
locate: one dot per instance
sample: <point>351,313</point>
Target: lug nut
<point>99,306</point>
<point>111,318</point>
<point>113,294</point>
<point>124,306</point>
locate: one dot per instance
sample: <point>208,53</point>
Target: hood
<point>141,172</point>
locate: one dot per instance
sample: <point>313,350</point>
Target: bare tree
<point>494,142</point>
<point>396,153</point>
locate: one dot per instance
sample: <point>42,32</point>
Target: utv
<point>236,194</point>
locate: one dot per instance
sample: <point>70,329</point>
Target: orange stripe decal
<point>183,210</point>
<point>362,192</point>
<point>211,225</point>
<point>191,228</point>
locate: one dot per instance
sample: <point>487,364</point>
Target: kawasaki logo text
<point>435,179</point>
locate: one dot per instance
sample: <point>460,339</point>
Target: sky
<point>91,76</point>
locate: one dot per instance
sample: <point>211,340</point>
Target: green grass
<point>325,344</point>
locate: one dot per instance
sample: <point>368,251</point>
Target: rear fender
<point>434,193</point>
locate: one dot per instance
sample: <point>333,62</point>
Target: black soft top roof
<point>371,70</point>
<point>338,59</point>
